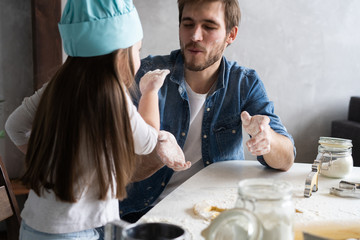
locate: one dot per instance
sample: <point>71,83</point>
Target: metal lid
<point>335,142</point>
<point>237,223</point>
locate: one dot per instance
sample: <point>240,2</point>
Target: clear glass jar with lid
<point>271,202</point>
<point>335,156</point>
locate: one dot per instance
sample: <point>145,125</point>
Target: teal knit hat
<point>97,27</point>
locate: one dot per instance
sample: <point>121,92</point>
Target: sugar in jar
<point>335,157</point>
<point>271,201</point>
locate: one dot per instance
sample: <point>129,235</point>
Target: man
<point>206,100</point>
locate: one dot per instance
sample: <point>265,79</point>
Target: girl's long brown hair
<point>83,110</point>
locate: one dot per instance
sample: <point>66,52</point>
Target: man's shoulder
<point>237,71</point>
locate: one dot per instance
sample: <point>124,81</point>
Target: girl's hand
<point>153,80</point>
<point>170,153</point>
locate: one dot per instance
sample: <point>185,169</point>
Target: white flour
<point>192,223</point>
<point>338,168</point>
<point>276,227</point>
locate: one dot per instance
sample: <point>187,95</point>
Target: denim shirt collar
<point>177,73</point>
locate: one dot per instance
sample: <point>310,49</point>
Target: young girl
<point>85,131</point>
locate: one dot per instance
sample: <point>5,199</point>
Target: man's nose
<point>197,34</point>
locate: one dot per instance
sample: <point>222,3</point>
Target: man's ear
<point>232,35</point>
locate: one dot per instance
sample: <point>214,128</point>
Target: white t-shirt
<point>192,147</point>
<point>46,213</point>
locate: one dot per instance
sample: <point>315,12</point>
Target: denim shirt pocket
<point>228,133</point>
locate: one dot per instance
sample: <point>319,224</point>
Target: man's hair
<point>81,135</point>
<point>232,11</point>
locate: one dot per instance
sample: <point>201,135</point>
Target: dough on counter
<point>206,211</point>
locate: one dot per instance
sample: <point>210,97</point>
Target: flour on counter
<point>315,211</point>
<point>192,223</point>
<point>309,211</point>
<point>207,211</point>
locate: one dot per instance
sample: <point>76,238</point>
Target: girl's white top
<point>48,214</point>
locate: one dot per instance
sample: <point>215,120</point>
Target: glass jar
<point>271,201</point>
<point>234,224</point>
<point>335,157</point>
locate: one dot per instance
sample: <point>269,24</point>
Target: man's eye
<point>209,28</point>
<point>188,25</point>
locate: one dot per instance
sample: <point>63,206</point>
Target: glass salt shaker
<point>271,202</point>
<point>335,156</point>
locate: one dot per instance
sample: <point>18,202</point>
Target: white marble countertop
<point>217,184</point>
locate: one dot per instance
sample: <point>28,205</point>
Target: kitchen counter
<point>324,214</point>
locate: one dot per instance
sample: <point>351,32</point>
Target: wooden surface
<point>5,205</point>
<point>13,222</point>
<point>47,48</point>
<point>19,188</point>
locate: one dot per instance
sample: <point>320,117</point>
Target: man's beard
<point>214,56</point>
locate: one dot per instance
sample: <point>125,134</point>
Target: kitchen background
<point>307,52</point>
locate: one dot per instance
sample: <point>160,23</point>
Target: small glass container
<point>271,202</point>
<point>335,157</point>
<point>234,224</point>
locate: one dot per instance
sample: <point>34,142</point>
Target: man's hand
<point>276,149</point>
<point>259,129</point>
<point>170,153</point>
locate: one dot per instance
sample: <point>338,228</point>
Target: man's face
<point>202,34</point>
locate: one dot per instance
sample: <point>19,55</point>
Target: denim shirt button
<point>183,134</point>
<point>205,136</point>
<point>207,162</point>
<point>146,204</point>
<point>163,184</point>
<point>208,109</point>
<point>233,131</point>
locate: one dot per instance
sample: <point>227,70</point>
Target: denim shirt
<point>237,89</point>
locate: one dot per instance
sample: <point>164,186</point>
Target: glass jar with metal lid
<point>271,202</point>
<point>335,156</point>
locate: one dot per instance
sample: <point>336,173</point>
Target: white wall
<point>307,53</point>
